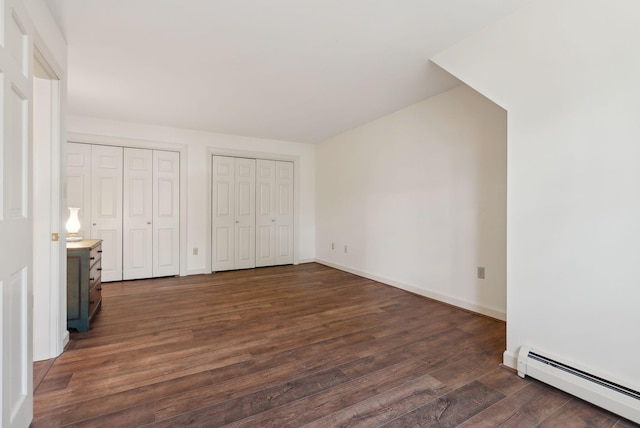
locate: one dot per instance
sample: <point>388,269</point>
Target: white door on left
<point>16,220</point>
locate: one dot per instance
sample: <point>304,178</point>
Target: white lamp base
<point>74,238</point>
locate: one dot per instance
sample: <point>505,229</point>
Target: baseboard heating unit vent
<point>609,395</point>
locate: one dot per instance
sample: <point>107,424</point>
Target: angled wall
<point>567,73</point>
<point>418,198</point>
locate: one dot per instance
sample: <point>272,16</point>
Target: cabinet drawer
<point>95,298</point>
<point>94,274</point>
<point>95,255</point>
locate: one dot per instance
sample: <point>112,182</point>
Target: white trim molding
<point>483,310</point>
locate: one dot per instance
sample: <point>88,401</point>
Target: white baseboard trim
<point>510,359</point>
<point>421,291</point>
<point>65,339</point>
<point>303,261</point>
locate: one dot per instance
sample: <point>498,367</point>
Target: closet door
<point>166,213</point>
<point>137,248</point>
<point>233,213</point>
<point>265,213</point>
<point>79,184</point>
<point>245,213</point>
<point>223,213</point>
<point>284,213</point>
<point>106,207</point>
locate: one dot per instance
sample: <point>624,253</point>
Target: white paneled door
<point>129,198</point>
<point>137,217</point>
<point>233,213</point>
<point>274,213</point>
<point>252,213</point>
<point>79,184</point>
<point>284,213</point>
<point>245,213</point>
<point>16,222</point>
<point>223,213</point>
<point>166,213</point>
<point>106,207</point>
<point>265,213</point>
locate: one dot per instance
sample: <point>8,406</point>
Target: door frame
<point>51,294</point>
<point>215,151</point>
<point>78,137</point>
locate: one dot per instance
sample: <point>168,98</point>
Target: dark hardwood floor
<point>291,346</point>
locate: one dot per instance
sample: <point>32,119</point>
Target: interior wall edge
<point>510,359</point>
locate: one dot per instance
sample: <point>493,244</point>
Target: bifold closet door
<point>245,212</point>
<point>252,213</point>
<point>166,213</point>
<point>223,213</point>
<point>265,213</point>
<point>274,213</point>
<point>284,213</point>
<point>137,240</point>
<point>94,184</point>
<point>233,213</point>
<point>79,184</point>
<point>129,198</point>
<point>106,207</point>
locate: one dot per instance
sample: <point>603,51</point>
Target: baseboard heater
<point>567,377</point>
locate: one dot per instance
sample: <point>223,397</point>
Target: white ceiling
<point>298,70</point>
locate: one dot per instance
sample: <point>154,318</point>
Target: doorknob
<point>237,221</point>
<point>148,222</point>
<point>273,220</point>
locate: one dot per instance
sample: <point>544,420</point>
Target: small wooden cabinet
<point>84,286</point>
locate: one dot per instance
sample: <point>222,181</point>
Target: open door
<point>16,223</point>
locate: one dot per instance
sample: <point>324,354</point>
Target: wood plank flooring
<point>291,346</point>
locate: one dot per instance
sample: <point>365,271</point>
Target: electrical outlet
<point>195,251</point>
<point>480,272</point>
<point>345,248</point>
<point>333,246</point>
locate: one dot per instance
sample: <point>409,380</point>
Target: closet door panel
<point>79,184</point>
<point>166,213</point>
<point>265,212</point>
<point>245,213</point>
<point>284,213</point>
<point>137,248</point>
<point>106,207</point>
<point>223,213</point>
<point>258,203</point>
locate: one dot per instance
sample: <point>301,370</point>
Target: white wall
<point>567,72</point>
<point>199,146</point>
<point>419,198</point>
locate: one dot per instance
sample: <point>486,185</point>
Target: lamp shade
<point>73,225</point>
